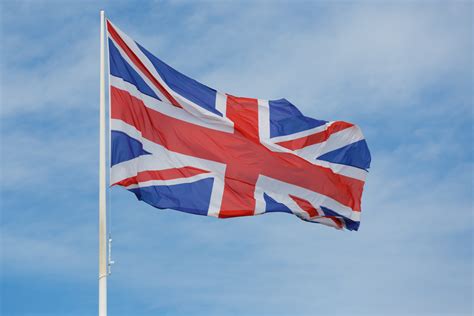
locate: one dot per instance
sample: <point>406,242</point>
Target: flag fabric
<point>178,144</point>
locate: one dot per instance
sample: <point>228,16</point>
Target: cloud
<point>358,58</point>
<point>56,83</point>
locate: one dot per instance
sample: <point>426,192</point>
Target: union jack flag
<point>178,144</point>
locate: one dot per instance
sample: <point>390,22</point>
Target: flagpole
<point>102,181</point>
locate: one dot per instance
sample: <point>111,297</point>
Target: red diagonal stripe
<point>133,57</point>
<point>320,137</point>
<point>166,174</point>
<point>312,211</point>
<point>336,221</point>
<point>306,206</point>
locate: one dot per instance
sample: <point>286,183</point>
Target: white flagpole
<point>102,182</point>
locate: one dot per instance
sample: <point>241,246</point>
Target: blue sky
<point>403,71</point>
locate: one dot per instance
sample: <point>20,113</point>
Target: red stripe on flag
<point>166,174</point>
<point>336,221</point>
<point>244,113</point>
<point>133,57</point>
<point>312,211</point>
<point>320,137</point>
<point>238,198</point>
<point>306,206</point>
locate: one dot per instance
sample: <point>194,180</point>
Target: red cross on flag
<point>178,144</point>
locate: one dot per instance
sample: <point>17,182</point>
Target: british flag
<point>178,144</point>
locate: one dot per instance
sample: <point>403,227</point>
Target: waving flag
<point>178,144</point>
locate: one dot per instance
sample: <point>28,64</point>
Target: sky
<point>402,71</point>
